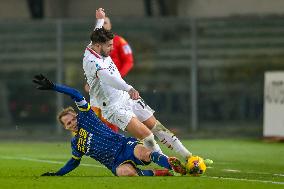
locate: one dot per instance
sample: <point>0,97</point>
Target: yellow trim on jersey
<point>85,109</point>
<point>128,161</point>
<point>73,133</point>
<point>140,142</point>
<point>74,157</point>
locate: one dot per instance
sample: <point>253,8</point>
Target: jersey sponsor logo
<point>89,142</point>
<point>112,69</point>
<point>84,141</point>
<point>98,67</point>
<point>126,49</point>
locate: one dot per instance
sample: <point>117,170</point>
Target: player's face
<point>70,122</point>
<point>106,48</point>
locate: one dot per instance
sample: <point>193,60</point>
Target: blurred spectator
<point>36,8</point>
<point>165,7</point>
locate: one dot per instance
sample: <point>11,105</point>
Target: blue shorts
<point>127,155</point>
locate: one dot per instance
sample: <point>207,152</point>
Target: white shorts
<point>121,113</point>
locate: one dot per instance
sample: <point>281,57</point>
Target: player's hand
<point>100,13</point>
<point>133,94</point>
<point>43,83</point>
<point>49,174</point>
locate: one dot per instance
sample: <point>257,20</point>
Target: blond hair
<point>64,112</point>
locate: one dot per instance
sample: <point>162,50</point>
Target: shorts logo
<point>120,120</point>
<point>130,143</point>
<point>142,103</point>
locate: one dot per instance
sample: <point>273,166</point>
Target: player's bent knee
<point>150,122</point>
<point>142,153</point>
<point>126,173</point>
<point>138,129</point>
<point>126,170</point>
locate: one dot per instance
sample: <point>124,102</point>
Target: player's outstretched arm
<point>100,16</point>
<point>100,13</point>
<point>68,167</point>
<point>112,80</point>
<point>44,83</point>
<point>117,83</point>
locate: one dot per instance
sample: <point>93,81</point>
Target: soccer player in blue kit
<point>118,153</point>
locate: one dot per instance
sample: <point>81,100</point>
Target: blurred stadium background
<point>199,63</point>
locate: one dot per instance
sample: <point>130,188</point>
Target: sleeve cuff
<point>100,23</point>
<point>128,87</point>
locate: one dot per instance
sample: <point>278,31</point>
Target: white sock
<point>170,140</point>
<point>149,142</point>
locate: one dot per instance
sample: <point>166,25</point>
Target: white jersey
<point>109,92</point>
<point>107,88</point>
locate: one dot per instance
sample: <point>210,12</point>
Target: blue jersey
<point>93,138</point>
<point>96,140</point>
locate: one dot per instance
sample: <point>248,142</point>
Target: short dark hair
<point>101,35</point>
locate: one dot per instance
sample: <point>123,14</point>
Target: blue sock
<point>160,159</point>
<point>144,172</point>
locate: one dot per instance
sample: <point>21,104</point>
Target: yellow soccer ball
<point>195,166</point>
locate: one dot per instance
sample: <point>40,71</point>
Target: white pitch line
<point>46,161</point>
<point>91,165</point>
<point>231,170</point>
<point>281,175</point>
<point>252,172</point>
<point>247,180</point>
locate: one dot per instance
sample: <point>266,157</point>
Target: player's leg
<point>133,154</point>
<point>171,163</point>
<point>157,172</point>
<point>126,169</point>
<point>123,116</point>
<point>163,172</point>
<point>167,137</point>
<point>145,114</point>
<point>140,131</point>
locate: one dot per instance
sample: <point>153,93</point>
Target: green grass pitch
<point>237,164</point>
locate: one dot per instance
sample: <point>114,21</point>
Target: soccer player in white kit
<point>120,102</point>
